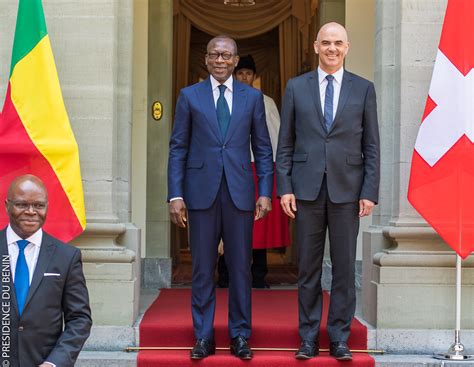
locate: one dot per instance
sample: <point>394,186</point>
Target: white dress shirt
<point>32,250</point>
<point>228,91</point>
<point>337,82</point>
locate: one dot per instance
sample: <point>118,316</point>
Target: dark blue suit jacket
<point>199,155</point>
<point>56,320</point>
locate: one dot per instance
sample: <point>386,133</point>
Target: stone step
<point>106,359</point>
<point>111,338</point>
<point>391,360</point>
<point>124,359</point>
<point>392,341</point>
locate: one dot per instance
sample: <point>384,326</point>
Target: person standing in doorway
<point>328,173</point>
<point>210,182</point>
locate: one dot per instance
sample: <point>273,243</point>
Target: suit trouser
<point>206,228</point>
<point>342,221</point>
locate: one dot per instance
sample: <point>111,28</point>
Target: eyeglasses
<point>23,205</point>
<point>215,55</point>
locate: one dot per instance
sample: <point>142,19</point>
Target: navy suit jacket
<point>56,320</point>
<point>199,155</point>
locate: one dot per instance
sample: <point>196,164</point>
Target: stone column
<point>96,61</point>
<point>92,45</point>
<point>409,273</point>
<point>157,263</point>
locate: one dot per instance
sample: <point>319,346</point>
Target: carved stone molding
<point>100,243</point>
<point>417,247</point>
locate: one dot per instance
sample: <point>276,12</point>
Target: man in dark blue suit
<point>210,176</point>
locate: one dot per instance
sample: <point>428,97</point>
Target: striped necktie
<point>328,102</point>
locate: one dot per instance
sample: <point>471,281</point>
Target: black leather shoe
<point>308,349</point>
<point>240,348</point>
<point>340,351</point>
<point>202,349</point>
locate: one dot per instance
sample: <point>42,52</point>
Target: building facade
<point>115,58</point>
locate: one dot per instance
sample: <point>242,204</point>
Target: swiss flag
<point>441,184</point>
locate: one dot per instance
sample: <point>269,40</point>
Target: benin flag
<point>35,134</point>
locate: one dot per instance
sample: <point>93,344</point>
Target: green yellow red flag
<point>35,133</point>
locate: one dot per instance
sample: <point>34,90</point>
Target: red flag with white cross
<point>441,184</point>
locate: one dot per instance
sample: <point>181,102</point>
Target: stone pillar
<point>409,273</point>
<point>7,31</point>
<point>96,64</point>
<point>92,45</point>
<point>157,263</point>
<point>140,115</point>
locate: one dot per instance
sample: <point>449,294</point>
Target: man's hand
<point>288,204</point>
<point>263,207</point>
<point>365,207</point>
<point>47,364</point>
<point>178,212</point>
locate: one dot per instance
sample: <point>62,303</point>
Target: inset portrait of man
<point>50,314</point>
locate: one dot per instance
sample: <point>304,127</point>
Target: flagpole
<point>456,351</point>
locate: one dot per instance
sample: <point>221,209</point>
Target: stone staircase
<point>404,348</point>
<point>123,359</point>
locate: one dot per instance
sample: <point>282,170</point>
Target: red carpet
<point>274,324</point>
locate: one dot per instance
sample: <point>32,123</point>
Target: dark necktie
<point>223,112</point>
<point>328,102</point>
<point>22,276</point>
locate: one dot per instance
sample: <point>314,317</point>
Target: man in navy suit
<point>210,176</point>
<point>328,173</point>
